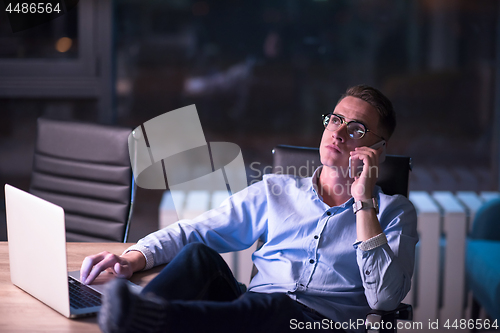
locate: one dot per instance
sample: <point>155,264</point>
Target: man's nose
<point>340,132</point>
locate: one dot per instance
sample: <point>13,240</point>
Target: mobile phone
<point>356,166</point>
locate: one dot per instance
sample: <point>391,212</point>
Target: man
<point>323,264</point>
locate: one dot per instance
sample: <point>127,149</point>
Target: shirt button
<point>316,237</point>
<point>367,272</point>
<point>328,213</point>
<point>311,261</point>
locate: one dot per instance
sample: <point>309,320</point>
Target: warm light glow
<point>64,44</point>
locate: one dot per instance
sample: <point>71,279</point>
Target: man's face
<point>336,145</point>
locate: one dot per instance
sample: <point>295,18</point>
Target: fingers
<point>87,265</point>
<point>366,152</point>
<point>368,156</point>
<point>92,266</point>
<point>123,269</point>
<point>364,182</point>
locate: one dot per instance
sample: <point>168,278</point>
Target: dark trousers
<point>204,296</point>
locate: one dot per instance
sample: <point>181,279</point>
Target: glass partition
<point>262,72</point>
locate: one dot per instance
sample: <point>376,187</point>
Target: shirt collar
<point>314,186</point>
<point>315,179</point>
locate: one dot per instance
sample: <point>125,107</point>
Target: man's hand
<point>122,266</point>
<point>367,224</point>
<point>362,187</point>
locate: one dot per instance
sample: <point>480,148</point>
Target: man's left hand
<point>364,183</point>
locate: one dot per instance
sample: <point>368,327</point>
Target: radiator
<point>439,289</point>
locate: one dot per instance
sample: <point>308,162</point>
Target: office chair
<point>393,178</point>
<point>85,168</point>
<point>393,174</point>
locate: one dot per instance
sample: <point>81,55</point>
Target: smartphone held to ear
<point>356,165</point>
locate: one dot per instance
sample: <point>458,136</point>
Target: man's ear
<point>384,133</point>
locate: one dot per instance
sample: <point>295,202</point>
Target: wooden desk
<point>20,312</point>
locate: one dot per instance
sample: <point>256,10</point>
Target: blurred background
<point>261,73</point>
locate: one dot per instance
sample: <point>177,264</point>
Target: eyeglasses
<point>355,129</point>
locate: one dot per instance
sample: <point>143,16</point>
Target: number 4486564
<point>33,8</point>
<point>471,324</point>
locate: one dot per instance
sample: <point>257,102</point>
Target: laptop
<point>37,255</point>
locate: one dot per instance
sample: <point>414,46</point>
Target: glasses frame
<point>347,123</point>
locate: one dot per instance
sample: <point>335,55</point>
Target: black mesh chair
<point>85,168</point>
<point>393,174</point>
<point>393,178</point>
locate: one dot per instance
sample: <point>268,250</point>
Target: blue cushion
<point>486,224</point>
<point>483,274</point>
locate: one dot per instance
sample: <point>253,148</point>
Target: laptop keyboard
<point>81,296</point>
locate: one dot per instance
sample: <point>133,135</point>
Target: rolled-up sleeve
<point>386,270</point>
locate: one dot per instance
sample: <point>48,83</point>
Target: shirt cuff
<point>372,243</point>
<point>145,252</point>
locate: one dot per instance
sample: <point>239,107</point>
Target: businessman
<point>334,246</point>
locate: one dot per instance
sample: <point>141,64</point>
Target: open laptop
<point>37,255</point>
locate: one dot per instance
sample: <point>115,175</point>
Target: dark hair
<point>379,101</point>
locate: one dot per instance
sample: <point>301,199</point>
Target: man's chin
<point>342,169</point>
<point>332,163</point>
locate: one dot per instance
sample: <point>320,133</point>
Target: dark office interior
<point>261,73</point>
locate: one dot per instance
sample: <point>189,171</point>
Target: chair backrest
<point>85,168</point>
<point>393,174</point>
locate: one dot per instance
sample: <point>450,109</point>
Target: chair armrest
<point>375,317</point>
<point>402,312</point>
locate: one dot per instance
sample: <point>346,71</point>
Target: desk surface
<point>20,312</point>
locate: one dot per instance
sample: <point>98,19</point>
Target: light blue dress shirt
<point>310,250</point>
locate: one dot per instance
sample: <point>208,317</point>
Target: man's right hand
<point>121,266</point>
